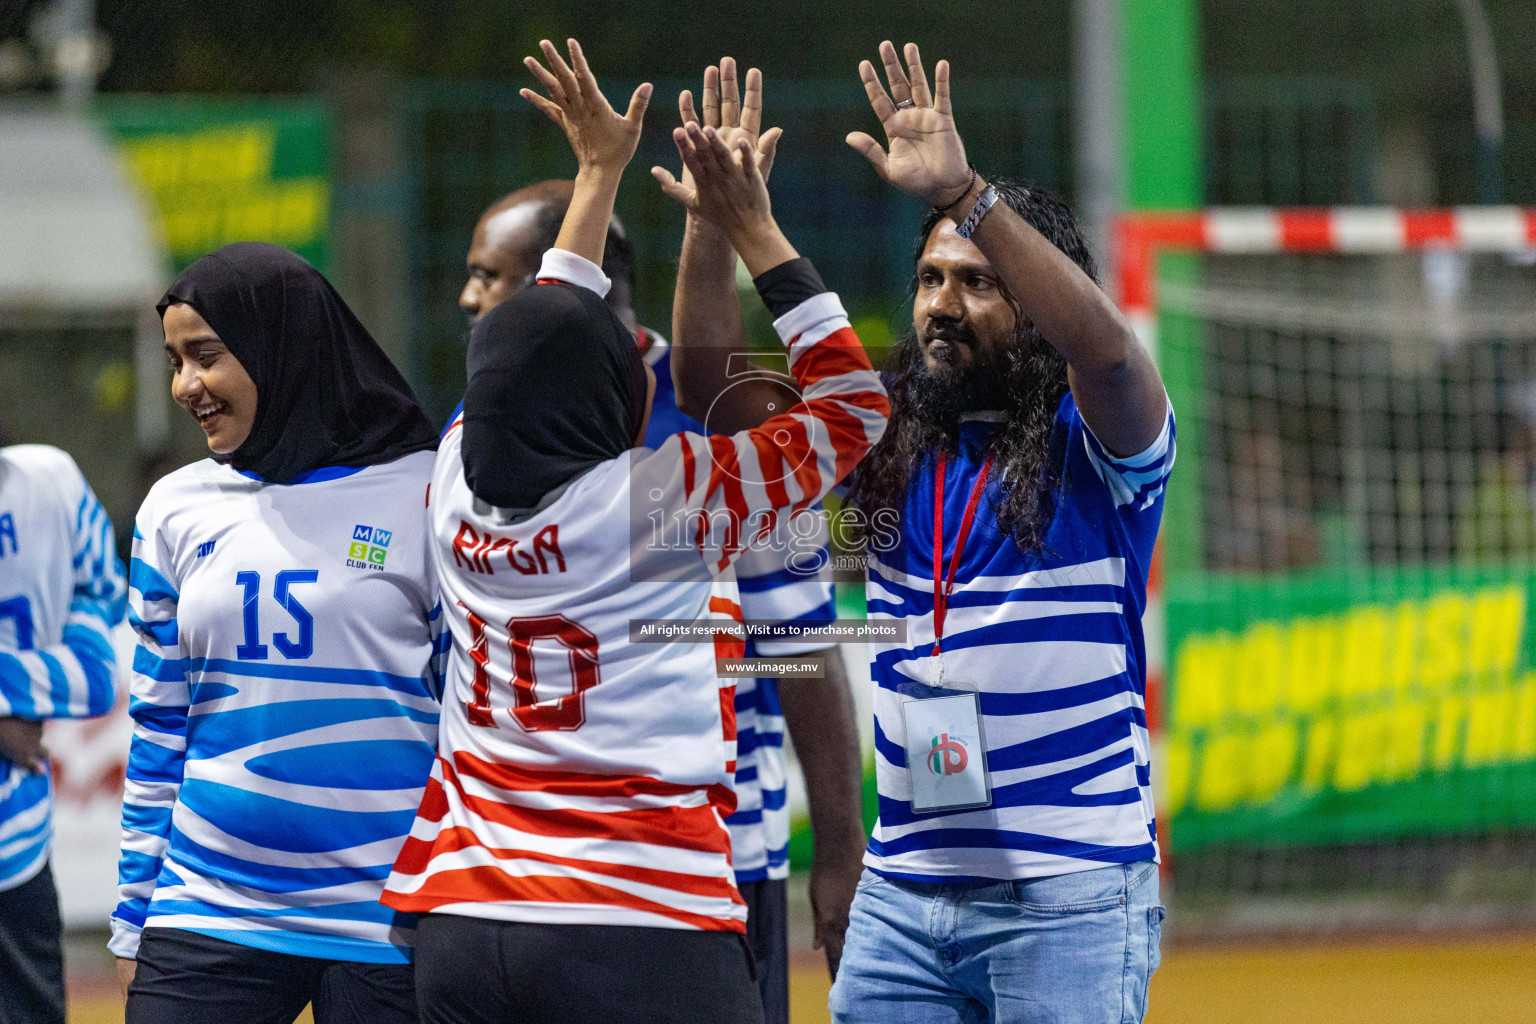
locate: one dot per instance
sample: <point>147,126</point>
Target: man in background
<point>504,253</point>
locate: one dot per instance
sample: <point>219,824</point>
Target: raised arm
<point>1114,381</point>
<point>604,142</point>
<point>707,327</point>
<point>823,723</point>
<point>730,484</point>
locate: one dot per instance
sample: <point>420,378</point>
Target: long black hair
<point>1034,380</point>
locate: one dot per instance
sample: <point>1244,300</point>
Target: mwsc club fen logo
<point>370,546</point>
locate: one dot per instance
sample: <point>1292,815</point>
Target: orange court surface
<point>1443,980</point>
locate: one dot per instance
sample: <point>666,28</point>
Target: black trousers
<point>188,978</point>
<point>768,938</point>
<point>31,953</point>
<point>471,971</point>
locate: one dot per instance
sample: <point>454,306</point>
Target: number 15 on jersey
<point>292,648</point>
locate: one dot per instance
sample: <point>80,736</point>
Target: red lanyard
<point>942,591</point>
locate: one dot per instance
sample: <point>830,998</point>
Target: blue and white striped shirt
<point>285,704</point>
<point>61,592</point>
<point>1053,642</point>
<point>771,589</point>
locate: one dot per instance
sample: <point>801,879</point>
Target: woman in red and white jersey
<point>570,857</point>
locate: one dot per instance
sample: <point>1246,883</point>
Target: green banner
<point>1349,706</point>
<point>221,171</point>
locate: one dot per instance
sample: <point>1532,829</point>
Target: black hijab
<point>326,394</point>
<point>556,386</point>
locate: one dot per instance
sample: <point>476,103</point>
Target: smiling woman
<point>325,394</point>
<point>209,381</point>
<point>285,689</point>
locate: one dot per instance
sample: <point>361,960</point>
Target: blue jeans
<point>1066,949</point>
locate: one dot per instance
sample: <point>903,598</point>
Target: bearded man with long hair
<point>933,386</point>
<point>1012,871</point>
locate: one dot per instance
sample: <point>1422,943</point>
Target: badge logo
<point>947,756</point>
<point>369,547</point>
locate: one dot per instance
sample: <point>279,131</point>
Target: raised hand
<point>924,156</point>
<point>727,186</point>
<point>733,117</point>
<point>729,192</point>
<point>599,135</point>
<point>603,142</point>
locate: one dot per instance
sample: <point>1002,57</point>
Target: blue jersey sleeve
<point>159,701</point>
<point>442,640</point>
<point>787,577</point>
<point>1137,481</point>
<point>74,678</point>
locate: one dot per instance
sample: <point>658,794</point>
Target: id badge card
<point>946,752</point>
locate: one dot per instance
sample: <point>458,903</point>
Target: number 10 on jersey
<point>566,713</point>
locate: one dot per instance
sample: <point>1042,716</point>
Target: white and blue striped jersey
<point>787,579</point>
<point>285,700</point>
<point>1052,642</point>
<point>61,592</point>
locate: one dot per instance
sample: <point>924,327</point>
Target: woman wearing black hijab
<point>285,696</point>
<point>570,855</point>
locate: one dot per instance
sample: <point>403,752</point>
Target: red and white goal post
<point>1366,230</point>
<point>1140,237</point>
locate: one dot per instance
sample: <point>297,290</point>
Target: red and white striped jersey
<point>583,778</point>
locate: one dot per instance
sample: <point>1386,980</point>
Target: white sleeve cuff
<point>814,310</point>
<point>564,265</point>
<point>1151,455</point>
<point>124,942</point>
<point>1136,480</point>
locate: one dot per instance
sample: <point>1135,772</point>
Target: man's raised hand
<point>729,192</point>
<point>924,156</point>
<point>728,189</point>
<point>600,137</point>
<point>732,116</point>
